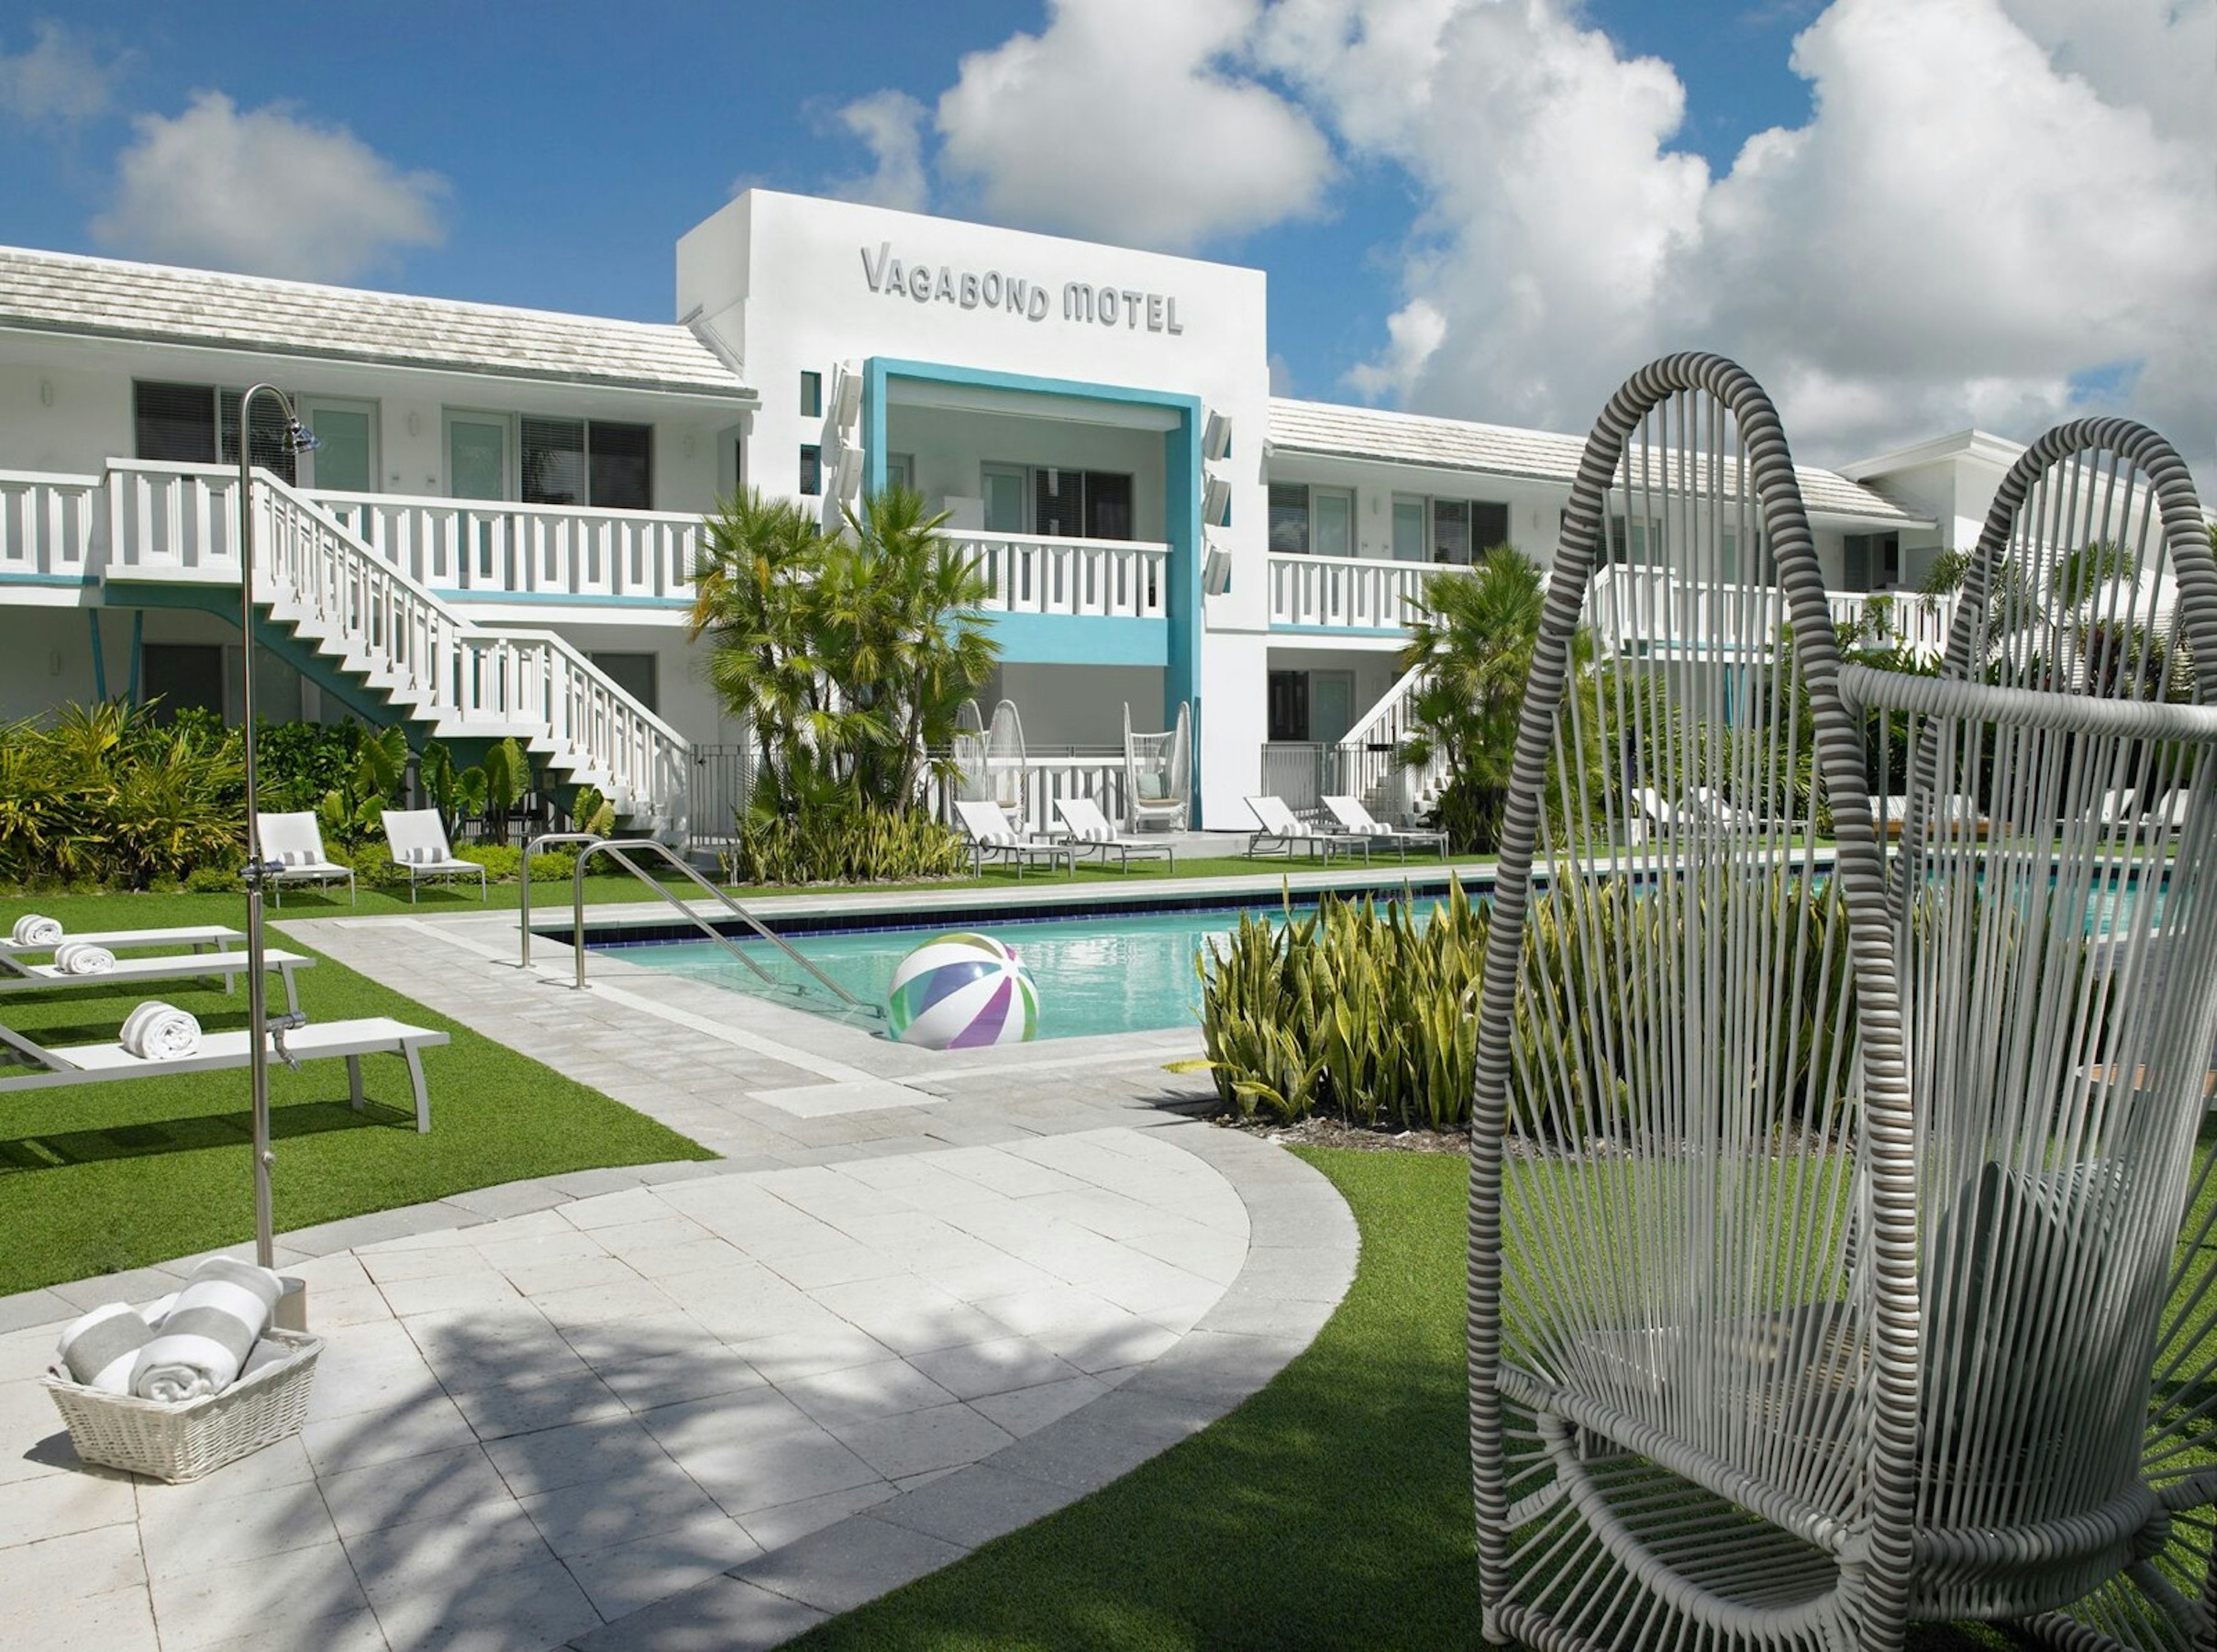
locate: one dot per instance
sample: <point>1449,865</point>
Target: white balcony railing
<point>490,548</point>
<point>1666,611</point>
<point>47,525</point>
<point>1119,578</point>
<point>1356,593</point>
<point>176,522</point>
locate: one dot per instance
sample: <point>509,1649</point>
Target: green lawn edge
<point>99,1178</point>
<point>1331,1509</point>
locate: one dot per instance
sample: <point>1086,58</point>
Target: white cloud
<point>56,80</point>
<point>1986,206</point>
<point>1131,121</point>
<point>891,125</point>
<point>264,191</point>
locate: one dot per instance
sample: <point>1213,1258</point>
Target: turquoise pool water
<point>1129,973</point>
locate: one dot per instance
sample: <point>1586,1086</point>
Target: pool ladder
<point>622,851</point>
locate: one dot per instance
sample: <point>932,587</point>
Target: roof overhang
<point>737,398</point>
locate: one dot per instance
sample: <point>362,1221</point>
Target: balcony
<point>1675,615</point>
<point>1110,578</point>
<point>1347,593</point>
<point>178,523</point>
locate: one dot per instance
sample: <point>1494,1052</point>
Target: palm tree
<point>1476,637</point>
<point>849,657</point>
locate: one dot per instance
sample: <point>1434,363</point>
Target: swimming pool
<point>1129,972</point>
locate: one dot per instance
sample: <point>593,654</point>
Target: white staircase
<point>1373,746</point>
<point>455,677</point>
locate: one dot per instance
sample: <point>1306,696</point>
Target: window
<point>811,395</point>
<point>1317,521</point>
<point>619,465</point>
<point>900,470</point>
<point>637,675</point>
<point>198,424</point>
<point>1637,541</point>
<point>812,469</point>
<point>1451,531</point>
<point>1081,504</point>
<point>176,423</point>
<point>577,462</point>
<point>1488,525</point>
<point>1873,561</point>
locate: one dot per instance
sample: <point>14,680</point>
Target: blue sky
<point>569,144</point>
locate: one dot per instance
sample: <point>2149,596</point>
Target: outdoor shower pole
<point>257,1004</point>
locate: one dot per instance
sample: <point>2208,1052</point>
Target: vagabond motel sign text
<point>1107,306</point>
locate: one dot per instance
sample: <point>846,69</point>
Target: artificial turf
<point>97,1177</point>
<point>1333,1509</point>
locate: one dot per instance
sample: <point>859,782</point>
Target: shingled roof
<point>1327,429</point>
<point>56,292</point>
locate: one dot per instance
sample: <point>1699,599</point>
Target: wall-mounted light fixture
<point>46,392</point>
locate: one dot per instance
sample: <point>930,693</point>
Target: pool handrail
<point>617,848</point>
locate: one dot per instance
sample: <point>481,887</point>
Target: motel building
<point>496,533</point>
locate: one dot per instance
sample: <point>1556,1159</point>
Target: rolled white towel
<point>157,1310</point>
<point>155,1032</point>
<point>82,958</point>
<point>31,930</point>
<point>208,1332</point>
<point>101,1350</point>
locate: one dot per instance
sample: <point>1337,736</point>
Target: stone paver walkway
<point>697,1405</point>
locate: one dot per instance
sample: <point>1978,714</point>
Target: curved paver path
<point>706,1409</point>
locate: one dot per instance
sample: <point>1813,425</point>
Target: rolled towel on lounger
<point>101,1350</point>
<point>208,1332</point>
<point>155,1032</point>
<point>82,958</point>
<point>31,930</point>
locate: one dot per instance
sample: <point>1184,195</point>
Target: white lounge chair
<point>1091,834</point>
<point>1353,817</point>
<point>223,1051</point>
<point>418,840</point>
<point>214,936</point>
<point>991,837</point>
<point>1282,831</point>
<point>1707,803</point>
<point>17,977</point>
<point>293,844</point>
<point>1650,813</point>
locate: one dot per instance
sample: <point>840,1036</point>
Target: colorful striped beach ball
<point>958,992</point>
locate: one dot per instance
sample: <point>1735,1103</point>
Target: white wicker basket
<point>183,1442</point>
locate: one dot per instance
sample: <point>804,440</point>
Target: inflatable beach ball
<point>958,992</point>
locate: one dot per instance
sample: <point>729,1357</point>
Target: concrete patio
<point>923,1301</point>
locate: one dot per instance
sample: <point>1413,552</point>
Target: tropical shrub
<point>295,763</point>
<point>855,844</point>
<point>847,659</point>
<point>1355,1010</point>
<point>109,794</point>
<point>1361,1012</point>
<point>352,812</point>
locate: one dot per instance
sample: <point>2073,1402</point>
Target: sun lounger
<point>214,936</point>
<point>1353,817</point>
<point>992,837</point>
<point>221,1052</point>
<point>1091,834</point>
<point>17,977</point>
<point>1281,832</point>
<point>294,845</point>
<point>418,841</point>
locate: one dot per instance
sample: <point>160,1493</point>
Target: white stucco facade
<point>1095,420</point>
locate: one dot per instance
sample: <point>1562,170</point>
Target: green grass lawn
<point>100,1177</point>
<point>1333,1509</point>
